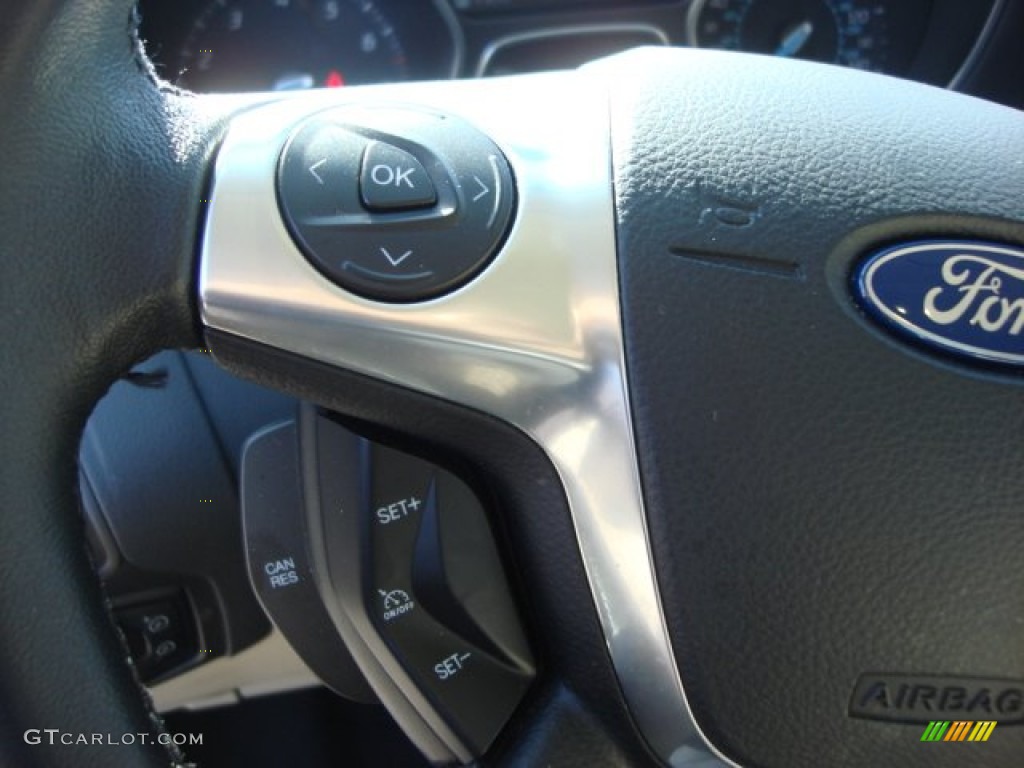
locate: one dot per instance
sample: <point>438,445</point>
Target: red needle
<point>334,79</point>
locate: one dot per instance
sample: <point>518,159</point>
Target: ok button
<point>394,180</point>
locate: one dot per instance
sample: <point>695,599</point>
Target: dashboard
<point>264,45</point>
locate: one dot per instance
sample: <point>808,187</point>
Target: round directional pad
<point>392,204</point>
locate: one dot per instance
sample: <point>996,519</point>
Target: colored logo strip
<point>982,731</point>
<point>935,731</point>
<point>960,730</point>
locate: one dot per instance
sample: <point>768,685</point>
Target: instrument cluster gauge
<point>265,45</point>
<point>875,35</point>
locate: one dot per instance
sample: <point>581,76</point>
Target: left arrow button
<point>319,174</point>
<point>313,170</point>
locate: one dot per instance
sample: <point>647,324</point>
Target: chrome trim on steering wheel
<point>535,340</point>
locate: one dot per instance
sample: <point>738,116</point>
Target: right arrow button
<point>484,189</point>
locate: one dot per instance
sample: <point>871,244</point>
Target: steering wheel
<point>763,494</point>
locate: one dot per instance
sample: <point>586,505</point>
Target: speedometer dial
<point>853,33</point>
<point>248,45</point>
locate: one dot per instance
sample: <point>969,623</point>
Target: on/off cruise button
<point>394,180</point>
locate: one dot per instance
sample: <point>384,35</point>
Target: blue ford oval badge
<point>962,297</point>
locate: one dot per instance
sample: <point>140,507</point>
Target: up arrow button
<point>394,180</point>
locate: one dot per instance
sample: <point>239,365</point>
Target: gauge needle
<point>294,81</point>
<point>795,41</point>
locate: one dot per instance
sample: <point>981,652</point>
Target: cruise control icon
<point>396,603</point>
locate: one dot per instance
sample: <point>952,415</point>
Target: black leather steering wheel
<point>82,112</point>
<point>830,508</point>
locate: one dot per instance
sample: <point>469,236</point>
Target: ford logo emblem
<point>966,298</point>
